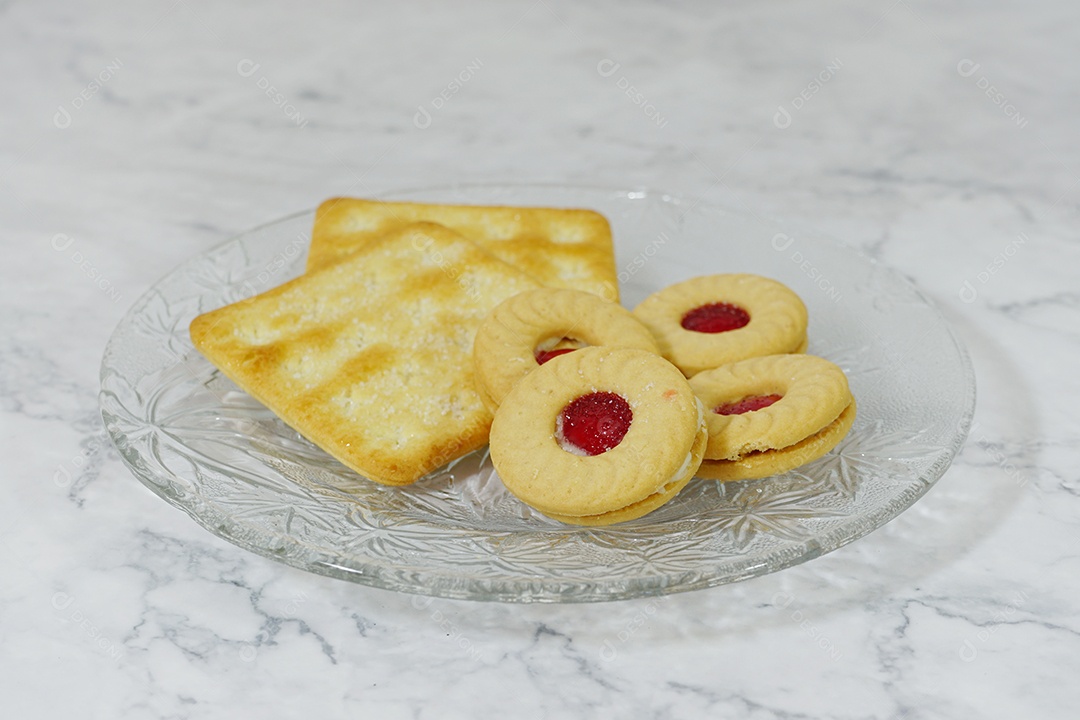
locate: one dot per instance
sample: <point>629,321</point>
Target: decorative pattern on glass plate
<point>209,449</point>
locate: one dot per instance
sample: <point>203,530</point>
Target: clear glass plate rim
<point>216,521</point>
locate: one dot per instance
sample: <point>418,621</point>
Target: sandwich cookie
<point>527,330</point>
<point>768,415</point>
<point>713,320</point>
<point>599,436</point>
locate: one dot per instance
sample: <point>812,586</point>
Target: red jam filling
<point>747,404</point>
<point>542,356</point>
<point>596,422</point>
<point>715,318</point>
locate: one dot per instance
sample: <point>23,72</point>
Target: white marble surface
<point>137,134</point>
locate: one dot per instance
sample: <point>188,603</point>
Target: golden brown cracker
<point>566,248</point>
<point>370,358</point>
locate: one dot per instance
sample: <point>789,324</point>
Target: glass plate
<point>209,449</point>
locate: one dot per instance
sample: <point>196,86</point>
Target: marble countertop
<point>938,139</point>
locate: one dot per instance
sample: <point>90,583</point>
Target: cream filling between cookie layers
<point>685,467</point>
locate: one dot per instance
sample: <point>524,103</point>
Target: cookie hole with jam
<point>715,318</point>
<point>750,403</point>
<point>554,347</point>
<point>594,423</point>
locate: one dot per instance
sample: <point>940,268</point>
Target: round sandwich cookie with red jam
<point>599,436</point>
<point>771,414</point>
<point>709,321</point>
<point>528,329</point>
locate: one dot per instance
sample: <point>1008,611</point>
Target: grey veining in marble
<point>938,138</point>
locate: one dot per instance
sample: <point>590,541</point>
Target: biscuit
<point>774,462</point>
<point>525,331</point>
<point>370,358</point>
<point>599,436</point>
<point>713,320</point>
<point>770,414</point>
<point>566,248</point>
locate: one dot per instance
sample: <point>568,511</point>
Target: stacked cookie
<point>739,338</point>
<point>602,415</point>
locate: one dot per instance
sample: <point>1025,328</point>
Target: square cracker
<point>370,358</point>
<point>564,248</point>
